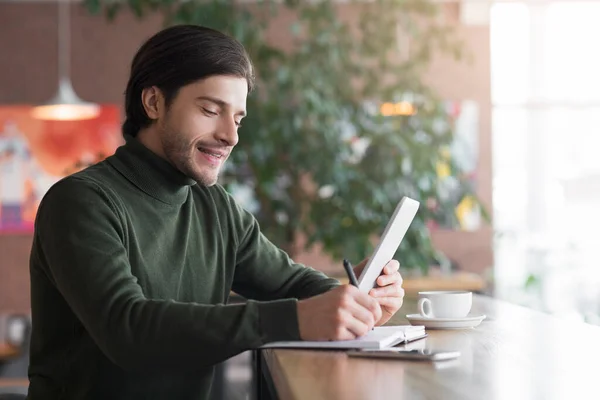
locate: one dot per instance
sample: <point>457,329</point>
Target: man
<point>134,258</point>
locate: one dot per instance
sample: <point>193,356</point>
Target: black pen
<point>351,276</point>
<point>350,273</point>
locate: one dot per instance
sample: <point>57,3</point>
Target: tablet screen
<point>388,244</point>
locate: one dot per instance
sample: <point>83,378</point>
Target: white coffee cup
<point>445,304</point>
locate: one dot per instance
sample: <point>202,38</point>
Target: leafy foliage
<point>317,154</point>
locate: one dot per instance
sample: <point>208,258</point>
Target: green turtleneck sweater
<point>131,268</point>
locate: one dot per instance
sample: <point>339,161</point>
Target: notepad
<point>379,338</point>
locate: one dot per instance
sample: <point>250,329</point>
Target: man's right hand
<point>341,314</point>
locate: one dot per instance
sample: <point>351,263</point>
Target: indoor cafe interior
<point>455,137</point>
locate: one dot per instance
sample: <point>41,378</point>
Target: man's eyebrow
<point>219,102</point>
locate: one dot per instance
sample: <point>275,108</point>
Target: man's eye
<point>209,112</point>
<point>238,123</point>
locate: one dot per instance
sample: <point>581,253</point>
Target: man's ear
<point>153,101</point>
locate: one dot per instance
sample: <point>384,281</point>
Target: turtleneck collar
<point>150,173</point>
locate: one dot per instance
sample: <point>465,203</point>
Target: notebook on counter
<point>379,338</point>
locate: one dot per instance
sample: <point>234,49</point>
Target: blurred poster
<point>35,154</point>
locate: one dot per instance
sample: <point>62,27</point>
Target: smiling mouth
<point>211,153</point>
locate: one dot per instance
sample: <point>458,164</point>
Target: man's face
<point>199,129</point>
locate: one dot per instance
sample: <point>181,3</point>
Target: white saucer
<point>470,321</point>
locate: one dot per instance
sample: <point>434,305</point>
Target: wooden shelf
<point>7,352</point>
<point>14,382</point>
<point>455,281</point>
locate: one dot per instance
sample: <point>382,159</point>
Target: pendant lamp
<point>65,105</point>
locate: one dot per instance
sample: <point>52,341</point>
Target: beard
<point>181,153</point>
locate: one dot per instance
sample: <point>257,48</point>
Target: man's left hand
<point>389,293</point>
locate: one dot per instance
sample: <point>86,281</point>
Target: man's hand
<point>339,314</point>
<point>389,294</point>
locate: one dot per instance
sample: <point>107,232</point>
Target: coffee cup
<point>445,304</point>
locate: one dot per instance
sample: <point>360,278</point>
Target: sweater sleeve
<point>79,242</point>
<point>265,272</point>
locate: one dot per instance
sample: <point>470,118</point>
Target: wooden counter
<point>516,353</point>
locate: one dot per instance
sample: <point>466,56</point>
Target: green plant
<point>315,152</point>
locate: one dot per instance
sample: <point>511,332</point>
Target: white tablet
<point>388,244</point>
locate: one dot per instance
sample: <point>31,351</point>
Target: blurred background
<point>487,112</point>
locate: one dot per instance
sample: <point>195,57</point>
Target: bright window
<point>546,137</point>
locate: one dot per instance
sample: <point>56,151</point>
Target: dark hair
<point>175,57</point>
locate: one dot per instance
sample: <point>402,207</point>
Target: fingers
<point>339,314</point>
<point>352,320</point>
<point>362,308</point>
<point>391,267</point>
<point>367,302</point>
<point>345,331</point>
<point>390,274</point>
<point>394,290</point>
<point>355,326</point>
<point>378,312</point>
<point>391,303</point>
<point>385,280</point>
<point>362,314</point>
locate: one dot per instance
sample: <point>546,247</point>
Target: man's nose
<point>227,133</point>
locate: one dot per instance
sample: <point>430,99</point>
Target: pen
<point>350,273</point>
<point>351,276</point>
